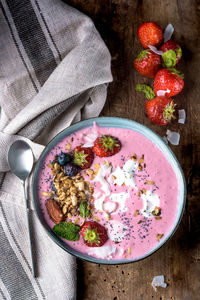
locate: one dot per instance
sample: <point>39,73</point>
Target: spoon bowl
<point>20,159</point>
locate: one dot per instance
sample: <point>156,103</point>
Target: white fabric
<point>83,73</point>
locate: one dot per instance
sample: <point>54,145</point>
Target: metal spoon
<point>20,160</point>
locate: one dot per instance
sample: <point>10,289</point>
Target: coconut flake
<point>89,139</point>
<point>150,201</point>
<point>155,50</point>
<point>88,145</point>
<point>158,281</point>
<point>169,30</point>
<point>125,175</point>
<point>181,116</point>
<point>173,137</point>
<point>162,92</point>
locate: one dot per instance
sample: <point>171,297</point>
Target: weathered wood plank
<point>179,259</point>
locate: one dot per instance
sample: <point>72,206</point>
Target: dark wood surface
<point>179,259</point>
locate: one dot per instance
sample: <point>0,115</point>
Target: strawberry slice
<point>106,145</point>
<point>93,234</point>
<point>83,157</point>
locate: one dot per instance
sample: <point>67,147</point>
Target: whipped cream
<point>150,200</point>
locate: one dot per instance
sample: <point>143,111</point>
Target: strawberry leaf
<point>67,231</point>
<point>176,72</point>
<point>178,52</point>
<point>108,143</point>
<point>80,157</point>
<point>92,236</point>
<point>143,54</point>
<point>169,59</point>
<point>147,90</point>
<point>168,112</point>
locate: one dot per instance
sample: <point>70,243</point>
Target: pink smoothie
<point>132,228</point>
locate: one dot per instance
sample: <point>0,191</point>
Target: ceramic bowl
<point>117,123</point>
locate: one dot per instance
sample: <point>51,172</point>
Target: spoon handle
<point>29,229</point>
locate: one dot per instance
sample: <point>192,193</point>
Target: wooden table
<point>179,259</point>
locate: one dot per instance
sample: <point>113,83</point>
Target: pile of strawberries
<point>159,64</point>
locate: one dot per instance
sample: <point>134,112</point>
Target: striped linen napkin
<point>54,70</point>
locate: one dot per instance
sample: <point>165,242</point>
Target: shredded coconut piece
<point>155,50</point>
<point>181,116</point>
<point>125,175</point>
<point>150,200</point>
<point>169,30</point>
<point>173,137</point>
<point>158,281</point>
<point>162,92</point>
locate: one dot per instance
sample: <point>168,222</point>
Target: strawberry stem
<point>80,157</point>
<point>143,54</point>
<point>169,59</point>
<point>92,236</point>
<point>176,72</point>
<point>168,112</point>
<point>108,142</point>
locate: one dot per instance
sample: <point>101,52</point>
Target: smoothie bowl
<point>109,190</point>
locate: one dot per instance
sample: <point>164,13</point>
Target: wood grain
<point>178,259</point>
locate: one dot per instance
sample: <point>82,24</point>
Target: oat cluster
<point>69,191</point>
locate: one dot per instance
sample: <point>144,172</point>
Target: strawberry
<point>150,33</point>
<point>106,145</point>
<point>176,51</point>
<point>160,110</point>
<point>168,79</point>
<point>93,234</point>
<point>147,63</point>
<point>83,157</point>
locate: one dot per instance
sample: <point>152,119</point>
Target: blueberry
<point>71,169</point>
<point>63,158</point>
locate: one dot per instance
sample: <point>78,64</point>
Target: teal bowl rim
<point>115,122</point>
